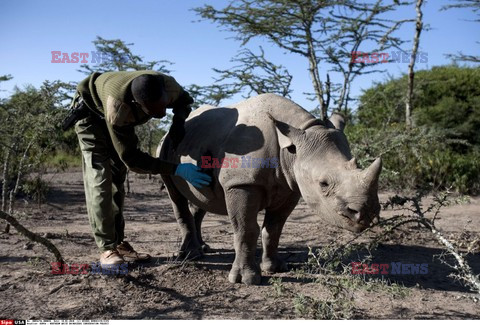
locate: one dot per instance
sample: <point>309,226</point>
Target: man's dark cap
<point>147,88</point>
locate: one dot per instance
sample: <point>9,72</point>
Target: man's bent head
<point>149,92</point>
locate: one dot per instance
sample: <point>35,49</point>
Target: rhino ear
<point>337,121</point>
<point>287,135</point>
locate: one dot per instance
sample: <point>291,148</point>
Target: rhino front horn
<point>373,172</point>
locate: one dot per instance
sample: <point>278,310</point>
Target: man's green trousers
<point>103,176</point>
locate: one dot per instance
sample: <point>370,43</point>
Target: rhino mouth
<point>355,226</point>
<point>342,220</point>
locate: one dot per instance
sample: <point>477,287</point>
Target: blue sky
<point>169,30</point>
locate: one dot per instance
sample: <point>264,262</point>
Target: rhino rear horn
<point>352,164</point>
<point>337,121</point>
<point>373,171</point>
<point>287,134</point>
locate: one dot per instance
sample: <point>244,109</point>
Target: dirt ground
<point>169,289</point>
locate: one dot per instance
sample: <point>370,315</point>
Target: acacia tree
<point>355,26</point>
<point>3,132</point>
<point>474,5</point>
<point>311,28</point>
<point>253,73</point>
<point>5,77</point>
<point>29,131</point>
<point>115,55</point>
<point>288,24</point>
<point>209,95</point>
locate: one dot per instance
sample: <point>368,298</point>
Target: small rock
<point>28,246</point>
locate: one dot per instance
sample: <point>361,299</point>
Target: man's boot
<point>111,257</point>
<point>129,254</point>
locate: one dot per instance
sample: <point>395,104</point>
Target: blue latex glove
<point>193,175</point>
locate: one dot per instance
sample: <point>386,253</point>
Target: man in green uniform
<point>117,102</point>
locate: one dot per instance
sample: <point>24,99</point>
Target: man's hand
<point>177,129</point>
<point>193,175</point>
<point>176,132</point>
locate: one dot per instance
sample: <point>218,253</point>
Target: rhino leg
<point>271,231</point>
<point>191,248</point>
<point>198,215</point>
<point>243,205</point>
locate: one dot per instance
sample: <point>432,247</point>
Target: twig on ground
<point>32,236</point>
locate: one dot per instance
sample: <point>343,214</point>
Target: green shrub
<point>36,188</point>
<point>420,158</point>
<point>63,160</point>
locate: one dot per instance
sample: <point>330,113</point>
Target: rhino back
<point>238,132</point>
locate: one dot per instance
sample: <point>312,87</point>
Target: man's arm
<point>173,89</point>
<point>180,101</point>
<point>125,142</point>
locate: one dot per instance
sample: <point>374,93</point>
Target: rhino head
<point>321,165</point>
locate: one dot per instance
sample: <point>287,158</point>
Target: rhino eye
<point>324,185</point>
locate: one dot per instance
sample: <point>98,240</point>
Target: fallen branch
<point>462,268</point>
<point>417,215</point>
<point>32,236</point>
<point>65,283</point>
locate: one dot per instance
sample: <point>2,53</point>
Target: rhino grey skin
<point>314,162</point>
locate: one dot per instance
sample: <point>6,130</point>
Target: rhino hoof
<point>247,277</point>
<point>274,266</point>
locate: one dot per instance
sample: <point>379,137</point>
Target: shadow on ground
<point>436,278</point>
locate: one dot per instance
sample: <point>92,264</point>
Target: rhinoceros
<point>264,153</point>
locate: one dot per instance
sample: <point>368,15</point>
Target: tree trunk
<point>6,167</point>
<point>313,70</point>
<point>317,86</point>
<point>411,73</point>
<point>343,92</point>
<point>21,164</point>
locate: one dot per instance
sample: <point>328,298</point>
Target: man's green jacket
<point>109,93</point>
